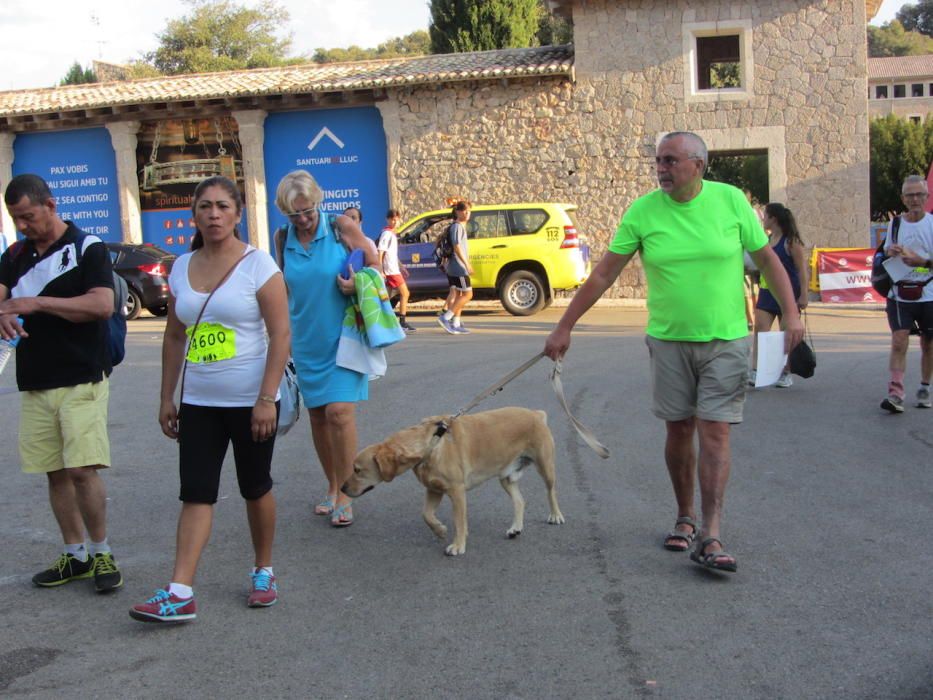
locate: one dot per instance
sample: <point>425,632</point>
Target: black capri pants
<point>203,435</point>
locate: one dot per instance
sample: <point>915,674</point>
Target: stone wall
<point>591,141</point>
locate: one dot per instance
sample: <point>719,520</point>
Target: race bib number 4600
<point>212,342</point>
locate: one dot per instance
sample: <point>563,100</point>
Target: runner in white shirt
<point>910,302</point>
<point>394,272</point>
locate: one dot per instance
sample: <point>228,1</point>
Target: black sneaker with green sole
<point>107,576</point>
<point>66,568</point>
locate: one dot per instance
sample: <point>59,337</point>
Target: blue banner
<point>169,229</point>
<point>81,170</point>
<point>173,229</point>
<point>343,149</point>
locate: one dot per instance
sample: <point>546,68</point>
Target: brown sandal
<point>677,541</point>
<point>709,560</point>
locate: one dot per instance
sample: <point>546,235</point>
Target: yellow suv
<point>520,253</point>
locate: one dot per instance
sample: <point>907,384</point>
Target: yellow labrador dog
<point>477,447</point>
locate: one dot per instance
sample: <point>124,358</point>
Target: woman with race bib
<point>226,298</point>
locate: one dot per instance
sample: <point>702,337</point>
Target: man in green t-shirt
<point>691,235</point>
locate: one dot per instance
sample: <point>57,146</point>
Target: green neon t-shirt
<point>692,256</point>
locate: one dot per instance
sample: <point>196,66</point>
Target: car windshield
<point>425,230</point>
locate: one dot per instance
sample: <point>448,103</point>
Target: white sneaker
<point>784,381</point>
<point>923,397</point>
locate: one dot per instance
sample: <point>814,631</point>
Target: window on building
<point>881,92</point>
<point>916,90</point>
<point>900,91</point>
<point>719,62</point>
<point>745,169</point>
<point>915,118</point>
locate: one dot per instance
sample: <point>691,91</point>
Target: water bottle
<point>7,348</point>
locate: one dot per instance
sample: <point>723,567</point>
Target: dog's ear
<point>386,463</point>
<point>398,454</point>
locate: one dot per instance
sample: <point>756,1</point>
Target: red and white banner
<point>845,276</point>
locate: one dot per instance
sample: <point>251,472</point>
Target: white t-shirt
<point>228,359</point>
<point>918,237</point>
<point>388,244</point>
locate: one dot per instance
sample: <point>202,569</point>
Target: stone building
<point>785,78</point>
<point>901,85</point>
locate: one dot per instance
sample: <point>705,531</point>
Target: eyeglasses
<point>671,161</point>
<point>908,195</point>
<point>306,213</point>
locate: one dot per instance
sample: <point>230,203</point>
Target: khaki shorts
<point>706,380</point>
<point>64,428</point>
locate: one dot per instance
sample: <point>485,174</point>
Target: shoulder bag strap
<point>197,321</point>
<point>281,233</point>
<point>332,221</point>
<point>806,325</point>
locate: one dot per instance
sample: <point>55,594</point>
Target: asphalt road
<point>828,513</point>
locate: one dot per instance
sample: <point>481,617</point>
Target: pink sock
<point>896,385</point>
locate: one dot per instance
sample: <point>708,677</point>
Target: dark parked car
<point>145,268</point>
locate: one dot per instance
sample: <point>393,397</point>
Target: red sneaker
<point>165,607</point>
<point>264,590</point>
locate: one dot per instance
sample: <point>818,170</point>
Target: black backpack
<point>443,249</point>
<point>116,324</point>
<point>880,279</point>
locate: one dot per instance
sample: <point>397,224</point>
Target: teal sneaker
<point>263,589</point>
<point>165,607</point>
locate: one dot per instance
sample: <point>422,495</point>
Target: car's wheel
<point>133,305</point>
<point>158,310</point>
<point>522,293</point>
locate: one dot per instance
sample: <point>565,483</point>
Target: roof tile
<point>900,67</point>
<point>301,79</point>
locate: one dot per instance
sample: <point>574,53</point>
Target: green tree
<point>222,35</point>
<point>140,69</point>
<point>891,39</point>
<point>552,29</point>
<point>418,43</point>
<point>77,75</point>
<point>748,172</point>
<point>917,17</point>
<point>725,75</point>
<point>482,25</point>
<point>898,147</point>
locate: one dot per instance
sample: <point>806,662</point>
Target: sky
<point>41,39</point>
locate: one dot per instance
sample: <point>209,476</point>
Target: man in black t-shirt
<point>59,282</point>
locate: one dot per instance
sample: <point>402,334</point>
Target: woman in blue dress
<point>312,251</point>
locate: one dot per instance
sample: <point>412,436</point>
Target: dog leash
<point>585,433</point>
<point>588,437</point>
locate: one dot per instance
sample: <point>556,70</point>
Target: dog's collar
<point>441,428</point>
